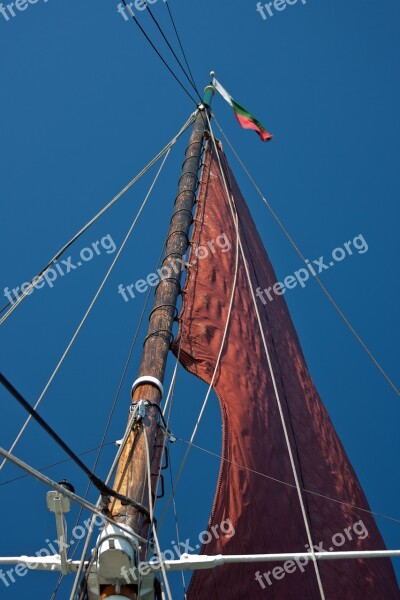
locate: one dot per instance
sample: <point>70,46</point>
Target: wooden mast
<point>131,477</point>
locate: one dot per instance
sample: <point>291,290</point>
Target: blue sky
<point>85,104</point>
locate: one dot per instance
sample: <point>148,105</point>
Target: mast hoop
<point>175,254</point>
<point>185,192</point>
<point>193,174</point>
<point>177,231</point>
<point>157,332</point>
<point>182,210</point>
<point>165,306</point>
<point>148,379</point>
<point>171,280</point>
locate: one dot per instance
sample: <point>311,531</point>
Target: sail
<point>256,488</point>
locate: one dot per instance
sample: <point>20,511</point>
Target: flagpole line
<point>317,279</point>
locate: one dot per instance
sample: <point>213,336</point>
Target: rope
<point>119,453</point>
<point>158,53</point>
<point>57,487</point>
<point>291,485</point>
<point>277,396</point>
<point>122,447</point>
<point>110,474</point>
<point>106,430</point>
<point>26,292</point>
<point>56,464</point>
<point>164,573</point>
<point>97,482</point>
<point>180,44</point>
<point>176,521</point>
<point>90,306</point>
<point>319,282</point>
<point>192,83</point>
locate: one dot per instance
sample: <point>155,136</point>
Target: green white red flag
<point>246,119</point>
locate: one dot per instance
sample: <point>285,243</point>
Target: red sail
<point>263,511</point>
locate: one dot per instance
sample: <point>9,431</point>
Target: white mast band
<point>148,379</point>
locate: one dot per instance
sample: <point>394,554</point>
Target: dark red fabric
<point>264,513</point>
<point>251,123</point>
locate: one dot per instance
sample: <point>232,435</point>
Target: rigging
<point>179,42</point>
<point>158,53</point>
<point>12,306</point>
<point>190,79</point>
<point>103,488</point>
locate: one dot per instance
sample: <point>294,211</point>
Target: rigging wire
<point>122,447</point>
<point>122,379</point>
<point>158,52</point>
<point>74,337</point>
<point>168,408</point>
<point>232,206</point>
<point>97,482</point>
<point>128,360</point>
<point>291,485</point>
<point>179,42</point>
<point>317,279</point>
<point>178,538</point>
<point>160,558</point>
<point>189,78</point>
<point>56,464</point>
<point>62,250</point>
<point>100,289</point>
<point>58,488</point>
<point>117,458</point>
<point>110,474</point>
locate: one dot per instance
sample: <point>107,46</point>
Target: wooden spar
<point>131,477</point>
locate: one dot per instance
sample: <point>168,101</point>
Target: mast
<point>131,476</point>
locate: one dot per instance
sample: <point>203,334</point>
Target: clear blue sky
<point>85,105</point>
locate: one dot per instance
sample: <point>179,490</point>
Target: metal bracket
<point>139,409</point>
<point>59,504</point>
<point>168,434</point>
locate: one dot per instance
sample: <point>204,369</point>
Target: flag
<point>246,119</point>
